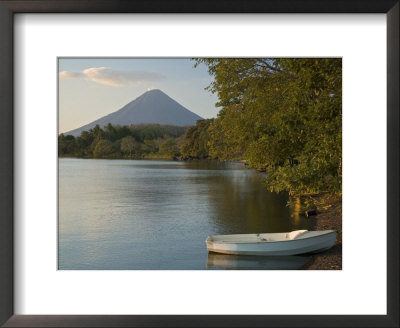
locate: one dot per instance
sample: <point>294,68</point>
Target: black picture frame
<point>10,7</point>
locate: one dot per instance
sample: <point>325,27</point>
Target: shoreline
<point>327,219</point>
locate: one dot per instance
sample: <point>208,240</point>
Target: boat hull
<point>313,244</point>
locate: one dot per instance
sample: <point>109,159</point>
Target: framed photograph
<point>161,186</point>
<point>181,164</point>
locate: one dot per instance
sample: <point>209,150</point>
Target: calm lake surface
<point>142,214</point>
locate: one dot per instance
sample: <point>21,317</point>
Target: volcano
<point>153,106</point>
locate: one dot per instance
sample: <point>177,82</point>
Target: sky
<point>90,88</point>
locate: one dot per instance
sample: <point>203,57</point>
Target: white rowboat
<point>282,243</point>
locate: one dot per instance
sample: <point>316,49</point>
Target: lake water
<point>141,214</point>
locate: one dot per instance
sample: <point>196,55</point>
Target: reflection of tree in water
<point>243,205</point>
<point>210,165</point>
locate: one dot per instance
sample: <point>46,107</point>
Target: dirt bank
<point>328,217</point>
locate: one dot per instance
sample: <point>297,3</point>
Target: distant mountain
<point>153,106</point>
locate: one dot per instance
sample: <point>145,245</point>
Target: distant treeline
<point>135,141</point>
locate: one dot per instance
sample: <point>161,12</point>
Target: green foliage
<point>103,149</point>
<point>149,146</point>
<point>135,141</point>
<point>196,141</point>
<point>129,146</point>
<point>281,115</point>
<point>66,144</point>
<point>169,147</point>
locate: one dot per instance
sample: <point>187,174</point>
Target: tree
<point>103,149</point>
<point>66,145</point>
<point>110,132</point>
<point>130,146</point>
<point>196,140</point>
<point>281,115</point>
<point>169,147</point>
<point>132,141</point>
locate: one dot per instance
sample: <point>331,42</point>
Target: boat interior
<point>267,237</point>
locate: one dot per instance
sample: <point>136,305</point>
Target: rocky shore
<point>329,217</point>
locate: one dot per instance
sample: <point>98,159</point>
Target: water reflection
<point>249,262</point>
<point>134,215</point>
<point>295,206</point>
<point>243,204</point>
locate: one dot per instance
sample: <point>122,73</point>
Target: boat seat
<point>294,234</point>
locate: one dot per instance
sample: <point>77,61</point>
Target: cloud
<point>69,75</point>
<point>108,76</point>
